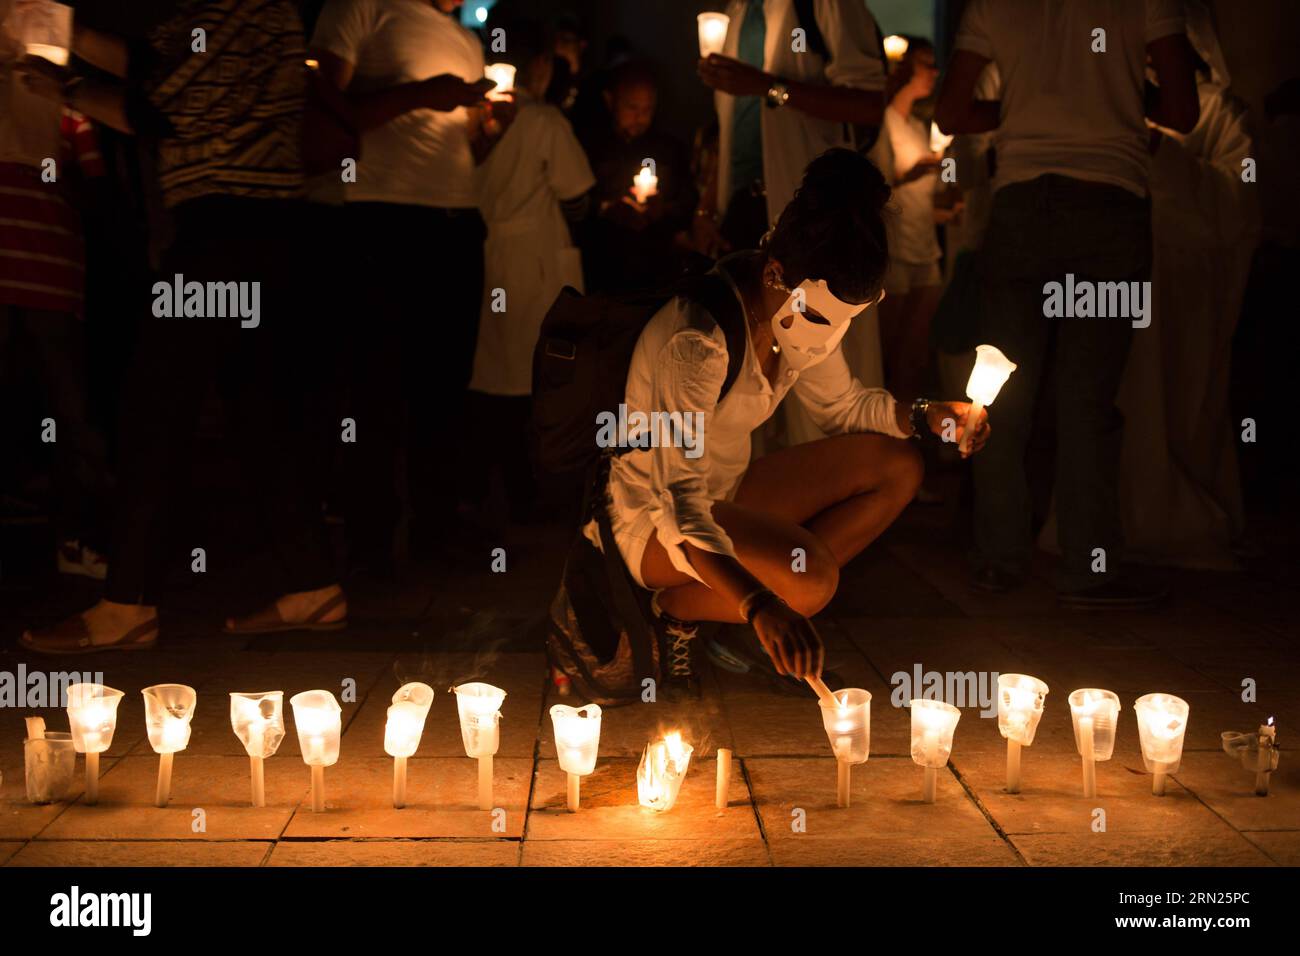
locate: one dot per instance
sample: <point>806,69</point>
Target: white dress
<point>529,255</point>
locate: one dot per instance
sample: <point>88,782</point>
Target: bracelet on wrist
<point>755,601</point>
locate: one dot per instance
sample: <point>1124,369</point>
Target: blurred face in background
<point>633,107</point>
<point>924,71</point>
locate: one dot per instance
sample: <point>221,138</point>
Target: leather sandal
<point>72,637</point>
<point>268,620</point>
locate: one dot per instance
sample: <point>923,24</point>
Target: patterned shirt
<point>232,114</point>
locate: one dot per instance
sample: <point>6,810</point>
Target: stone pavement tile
<point>1051,797</point>
<point>1282,847</point>
<point>395,853</point>
<point>990,850</point>
<point>7,850</point>
<point>945,568</point>
<point>1219,781</point>
<point>886,802</point>
<point>609,808</point>
<point>705,852</point>
<point>522,680</point>
<point>217,785</point>
<point>152,853</point>
<point>441,800</point>
<point>877,583</point>
<point>1222,848</point>
<point>20,820</point>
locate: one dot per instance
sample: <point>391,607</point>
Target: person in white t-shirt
<point>1071,205</point>
<point>413,78</point>
<point>535,178</point>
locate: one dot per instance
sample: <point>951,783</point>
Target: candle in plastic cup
<point>991,371</point>
<point>713,32</point>
<point>92,715</point>
<point>406,716</point>
<point>1020,706</point>
<point>1102,708</point>
<point>577,740</point>
<point>50,763</point>
<point>316,715</point>
<point>168,710</point>
<point>848,724</point>
<point>895,47</point>
<point>479,707</point>
<point>933,724</point>
<point>258,721</point>
<point>503,75</point>
<point>662,769</point>
<point>939,141</point>
<point>1162,724</point>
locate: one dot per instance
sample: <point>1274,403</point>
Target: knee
<point>904,469</point>
<point>812,582</point>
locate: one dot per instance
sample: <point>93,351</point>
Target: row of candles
<point>258,721</point>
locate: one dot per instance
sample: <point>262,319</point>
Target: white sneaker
<point>75,558</point>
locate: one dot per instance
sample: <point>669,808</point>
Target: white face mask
<point>807,342</point>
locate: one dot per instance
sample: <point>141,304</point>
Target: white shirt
<point>791,139</point>
<point>29,124</point>
<point>912,236</point>
<point>422,157</point>
<point>1066,109</point>
<point>677,366</point>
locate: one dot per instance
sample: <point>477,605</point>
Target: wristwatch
<point>778,95</point>
<point>918,417</point>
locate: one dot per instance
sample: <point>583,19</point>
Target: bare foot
<point>298,608</point>
<point>105,625</point>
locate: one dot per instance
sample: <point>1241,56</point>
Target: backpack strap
<point>714,293</point>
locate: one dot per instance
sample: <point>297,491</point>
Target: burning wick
<point>846,717</point>
<point>1095,713</point>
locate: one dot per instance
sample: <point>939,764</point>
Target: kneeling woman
<point>720,538</point>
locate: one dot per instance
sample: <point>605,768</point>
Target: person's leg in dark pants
<point>1015,261</point>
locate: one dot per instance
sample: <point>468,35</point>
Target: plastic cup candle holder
<point>939,140</point>
<point>402,732</point>
<point>577,740</point>
<point>663,768</point>
<point>258,721</point>
<point>479,706</point>
<point>713,32</point>
<point>1162,724</point>
<point>1257,752</point>
<point>991,371</point>
<point>50,763</point>
<point>933,723</point>
<point>1020,707</point>
<point>847,719</point>
<point>895,47</point>
<point>1095,714</point>
<point>316,715</point>
<point>503,75</point>
<point>45,30</point>
<point>92,716</point>
<point>168,710</point>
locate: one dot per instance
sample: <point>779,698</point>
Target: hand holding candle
<point>258,721</point>
<point>895,47</point>
<point>403,730</point>
<point>645,184</point>
<point>991,371</point>
<point>503,75</point>
<point>168,709</point>
<point>939,141</point>
<point>1020,706</point>
<point>933,724</point>
<point>316,714</point>
<point>479,707</point>
<point>92,715</point>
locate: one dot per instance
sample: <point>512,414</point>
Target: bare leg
<point>863,483</point>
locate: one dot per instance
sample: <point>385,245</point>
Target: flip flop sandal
<point>71,637</point>
<point>268,621</point>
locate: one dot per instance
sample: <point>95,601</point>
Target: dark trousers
<point>418,289</point>
<point>497,435</point>
<point>266,377</point>
<point>80,455</point>
<point>1038,232</point>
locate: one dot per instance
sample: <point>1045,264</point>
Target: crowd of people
<point>405,225</point>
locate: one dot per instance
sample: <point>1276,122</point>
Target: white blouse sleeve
<point>839,404</point>
<point>688,376</point>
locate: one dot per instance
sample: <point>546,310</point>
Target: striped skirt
<point>42,254</point>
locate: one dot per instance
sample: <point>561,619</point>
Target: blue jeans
<point>1038,232</point>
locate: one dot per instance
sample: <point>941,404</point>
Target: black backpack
<point>581,359</point>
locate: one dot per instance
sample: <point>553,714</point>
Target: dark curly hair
<point>834,227</point>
